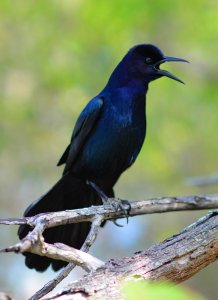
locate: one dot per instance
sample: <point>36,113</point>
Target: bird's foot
<point>117,204</point>
<point>120,205</point>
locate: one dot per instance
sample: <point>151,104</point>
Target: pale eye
<point>148,60</point>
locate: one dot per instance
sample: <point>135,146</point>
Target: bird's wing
<point>84,125</point>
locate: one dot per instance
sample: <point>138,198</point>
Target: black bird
<point>106,140</point>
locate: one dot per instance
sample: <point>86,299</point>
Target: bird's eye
<point>148,60</point>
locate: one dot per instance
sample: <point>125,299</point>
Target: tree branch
<point>150,206</point>
<point>176,259</point>
<point>34,241</point>
<point>66,271</point>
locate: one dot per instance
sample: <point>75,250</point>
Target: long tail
<point>68,193</point>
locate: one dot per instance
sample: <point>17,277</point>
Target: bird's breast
<point>113,145</point>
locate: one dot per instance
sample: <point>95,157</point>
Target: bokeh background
<point>54,57</point>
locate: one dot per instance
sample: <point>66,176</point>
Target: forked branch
<point>34,241</point>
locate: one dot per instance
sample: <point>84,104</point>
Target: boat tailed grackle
<point>106,140</point>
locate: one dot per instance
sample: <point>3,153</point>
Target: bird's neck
<point>121,77</point>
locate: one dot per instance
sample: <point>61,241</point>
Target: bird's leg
<point>100,193</point>
<point>118,204</point>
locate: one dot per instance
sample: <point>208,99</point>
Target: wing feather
<point>83,127</point>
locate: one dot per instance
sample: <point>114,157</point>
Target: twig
<point>66,271</point>
<point>48,287</point>
<point>58,251</point>
<point>13,221</point>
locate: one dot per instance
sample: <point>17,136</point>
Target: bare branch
<point>48,287</point>
<point>176,259</point>
<point>13,221</point>
<point>34,241</point>
<point>60,252</point>
<point>150,206</point>
<point>63,274</point>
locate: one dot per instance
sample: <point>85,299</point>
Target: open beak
<point>166,73</point>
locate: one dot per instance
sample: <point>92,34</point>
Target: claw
<point>126,203</point>
<point>122,205</point>
<point>117,224</point>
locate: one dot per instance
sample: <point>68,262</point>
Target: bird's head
<point>144,61</point>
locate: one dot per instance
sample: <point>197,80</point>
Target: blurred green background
<point>54,57</point>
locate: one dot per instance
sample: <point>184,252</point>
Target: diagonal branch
<point>66,271</point>
<point>58,251</point>
<point>176,259</point>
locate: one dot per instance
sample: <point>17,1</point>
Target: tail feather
<point>68,193</point>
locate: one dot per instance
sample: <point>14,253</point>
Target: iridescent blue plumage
<point>106,140</point>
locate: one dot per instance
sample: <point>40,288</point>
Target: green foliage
<point>57,54</point>
<point>154,291</point>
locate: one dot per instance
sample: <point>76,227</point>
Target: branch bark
<point>108,212</point>
<point>176,259</point>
